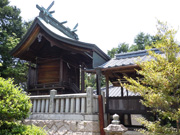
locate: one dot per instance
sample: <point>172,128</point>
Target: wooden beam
<point>62,45</point>
<point>28,42</point>
<point>82,78</point>
<point>120,68</point>
<point>125,70</point>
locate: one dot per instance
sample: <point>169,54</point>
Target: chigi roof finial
<point>46,15</point>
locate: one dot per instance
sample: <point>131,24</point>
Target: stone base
<point>67,127</point>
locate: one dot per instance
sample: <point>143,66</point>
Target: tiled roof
<point>116,92</point>
<point>130,58</point>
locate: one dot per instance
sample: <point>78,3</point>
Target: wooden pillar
<point>107,93</point>
<point>29,76</point>
<point>61,71</point>
<point>101,115</point>
<point>107,99</point>
<point>82,78</point>
<point>122,92</point>
<point>98,81</point>
<point>36,80</point>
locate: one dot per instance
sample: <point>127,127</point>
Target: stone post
<point>115,128</point>
<point>51,103</point>
<point>89,100</point>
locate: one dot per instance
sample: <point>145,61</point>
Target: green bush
<point>15,128</point>
<point>14,103</point>
<point>14,107</point>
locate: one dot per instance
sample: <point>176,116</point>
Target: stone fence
<point>86,103</point>
<point>66,113</point>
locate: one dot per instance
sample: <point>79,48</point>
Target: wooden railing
<point>85,103</point>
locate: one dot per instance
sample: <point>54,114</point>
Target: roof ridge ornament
<point>46,15</point>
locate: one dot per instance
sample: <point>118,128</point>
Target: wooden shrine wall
<point>48,71</point>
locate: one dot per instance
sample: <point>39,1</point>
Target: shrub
<point>15,128</point>
<point>14,103</point>
<point>14,107</point>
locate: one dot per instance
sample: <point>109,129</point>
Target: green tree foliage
<point>160,85</point>
<point>10,20</point>
<point>112,52</point>
<point>14,107</point>
<point>122,47</point>
<point>143,41</point>
<point>12,67</point>
<point>90,80</point>
<point>11,30</point>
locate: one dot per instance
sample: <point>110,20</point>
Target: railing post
<point>72,105</point>
<point>67,105</point>
<point>57,106</point>
<point>89,100</point>
<point>34,106</point>
<point>42,106</point>
<point>38,105</point>
<point>82,105</point>
<point>77,105</point>
<point>51,104</point>
<point>62,105</point>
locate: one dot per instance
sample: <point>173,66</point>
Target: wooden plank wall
<point>126,105</point>
<point>32,77</point>
<point>48,70</point>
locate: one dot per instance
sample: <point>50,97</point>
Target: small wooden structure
<point>123,102</point>
<point>57,60</point>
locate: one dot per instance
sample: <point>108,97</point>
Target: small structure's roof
<point>116,92</point>
<point>130,58</point>
<point>125,64</point>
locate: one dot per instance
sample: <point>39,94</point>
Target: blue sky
<point>107,23</point>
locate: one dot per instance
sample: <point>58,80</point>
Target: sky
<point>107,23</point>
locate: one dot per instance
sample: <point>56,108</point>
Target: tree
<point>14,107</point>
<point>142,41</point>
<point>10,19</point>
<point>160,85</point>
<point>112,52</point>
<point>122,47</point>
<point>90,81</point>
<point>11,23</point>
